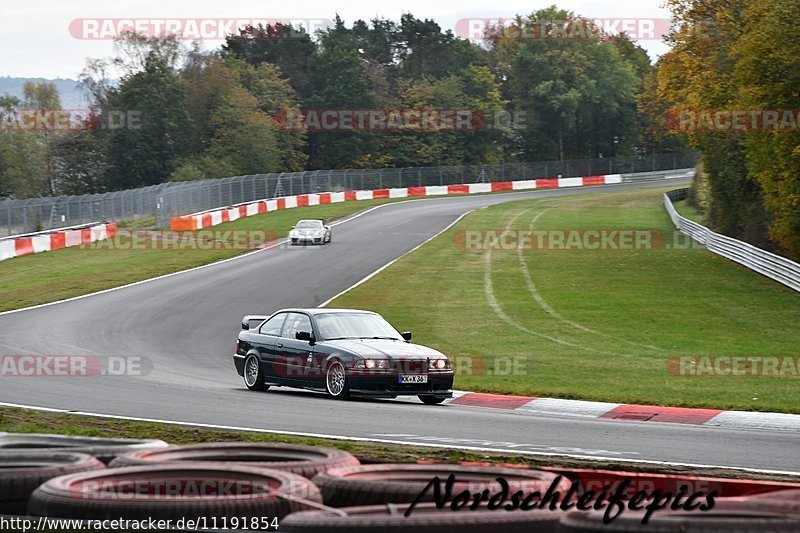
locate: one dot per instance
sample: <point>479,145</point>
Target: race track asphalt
<point>186,326</point>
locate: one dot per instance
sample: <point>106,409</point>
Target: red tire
<point>171,492</point>
<point>786,501</point>
<point>306,461</point>
<point>402,483</point>
<point>790,495</point>
<point>425,518</point>
<point>23,471</point>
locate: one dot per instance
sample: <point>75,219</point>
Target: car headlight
<point>370,364</point>
<point>440,364</point>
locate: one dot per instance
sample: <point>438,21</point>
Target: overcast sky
<point>36,40</point>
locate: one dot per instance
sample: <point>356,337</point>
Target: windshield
<point>355,326</point>
<point>309,224</point>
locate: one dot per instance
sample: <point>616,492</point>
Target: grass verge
<point>592,324</point>
<point>687,211</point>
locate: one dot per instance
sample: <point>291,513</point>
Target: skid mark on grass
<point>541,301</point>
<point>532,287</point>
<point>498,310</point>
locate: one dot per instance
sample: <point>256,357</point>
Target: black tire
<point>431,400</point>
<point>712,521</point>
<point>171,492</point>
<point>425,518</point>
<point>332,381</point>
<point>257,376</point>
<point>23,471</point>
<point>306,461</point>
<point>105,449</point>
<point>402,483</point>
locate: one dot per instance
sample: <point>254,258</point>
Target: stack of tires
<point>29,460</point>
<point>102,448</point>
<point>48,475</point>
<point>376,498</point>
<point>303,489</point>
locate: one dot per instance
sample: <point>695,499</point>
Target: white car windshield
<point>309,224</point>
<point>355,326</point>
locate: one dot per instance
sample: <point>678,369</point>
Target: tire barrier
<point>46,475</point>
<point>596,479</point>
<point>403,483</point>
<point>306,461</point>
<point>22,472</point>
<point>103,448</point>
<point>717,520</point>
<point>426,518</point>
<point>174,492</point>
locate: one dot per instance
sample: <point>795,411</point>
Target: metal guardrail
<point>773,266</point>
<point>180,198</point>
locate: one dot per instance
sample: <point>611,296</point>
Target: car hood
<point>385,348</point>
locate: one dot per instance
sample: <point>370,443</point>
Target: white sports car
<point>310,232</point>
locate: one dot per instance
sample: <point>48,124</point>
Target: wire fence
<point>180,198</point>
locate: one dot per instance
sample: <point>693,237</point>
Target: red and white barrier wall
<point>54,240</point>
<point>212,218</point>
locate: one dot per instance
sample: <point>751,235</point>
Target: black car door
<point>266,344</point>
<point>295,356</point>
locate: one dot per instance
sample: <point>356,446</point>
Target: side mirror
<point>304,336</point>
<point>245,325</point>
<point>292,227</point>
<point>406,335</point>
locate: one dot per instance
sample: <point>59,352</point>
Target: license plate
<point>423,378</point>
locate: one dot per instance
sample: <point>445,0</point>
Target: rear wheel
<point>336,381</point>
<point>431,400</point>
<point>253,375</point>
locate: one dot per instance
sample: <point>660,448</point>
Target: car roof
<point>309,220</point>
<point>323,310</point>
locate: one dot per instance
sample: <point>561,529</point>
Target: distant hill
<point>71,96</point>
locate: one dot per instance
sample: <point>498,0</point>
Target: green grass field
<point>591,324</point>
<point>687,211</point>
<point>51,276</point>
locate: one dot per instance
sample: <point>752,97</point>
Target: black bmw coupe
<point>342,352</point>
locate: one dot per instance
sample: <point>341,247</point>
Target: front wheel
<point>253,376</point>
<point>336,381</point>
<point>431,400</point>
